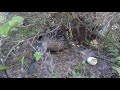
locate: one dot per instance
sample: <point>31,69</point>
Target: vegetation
<point>37,56</point>
<point>19,44</point>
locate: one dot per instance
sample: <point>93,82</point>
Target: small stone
<point>92,60</point>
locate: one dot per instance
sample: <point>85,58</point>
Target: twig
<point>12,49</point>
<point>22,63</point>
<point>32,46</point>
<point>93,74</point>
<point>56,27</point>
<point>35,37</point>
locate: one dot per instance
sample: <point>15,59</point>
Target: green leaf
<point>118,62</point>
<point>37,56</point>
<point>113,54</point>
<point>16,20</point>
<point>5,28</point>
<point>75,75</point>
<point>14,29</point>
<point>4,67</point>
<point>77,67</point>
<point>118,58</point>
<point>55,75</point>
<point>114,50</point>
<point>117,69</point>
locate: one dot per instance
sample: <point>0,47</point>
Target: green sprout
<point>37,56</point>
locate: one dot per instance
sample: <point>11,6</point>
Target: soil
<point>61,62</point>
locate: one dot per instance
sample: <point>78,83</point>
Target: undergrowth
<point>14,33</point>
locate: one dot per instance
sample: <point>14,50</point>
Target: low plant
<point>78,70</point>
<point>10,25</point>
<point>55,75</point>
<point>37,56</point>
<point>116,69</point>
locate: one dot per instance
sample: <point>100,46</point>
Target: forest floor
<point>64,64</point>
<point>69,63</point>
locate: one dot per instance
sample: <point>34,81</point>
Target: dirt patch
<point>21,46</point>
<point>61,62</point>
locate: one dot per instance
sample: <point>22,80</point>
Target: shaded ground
<point>60,64</point>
